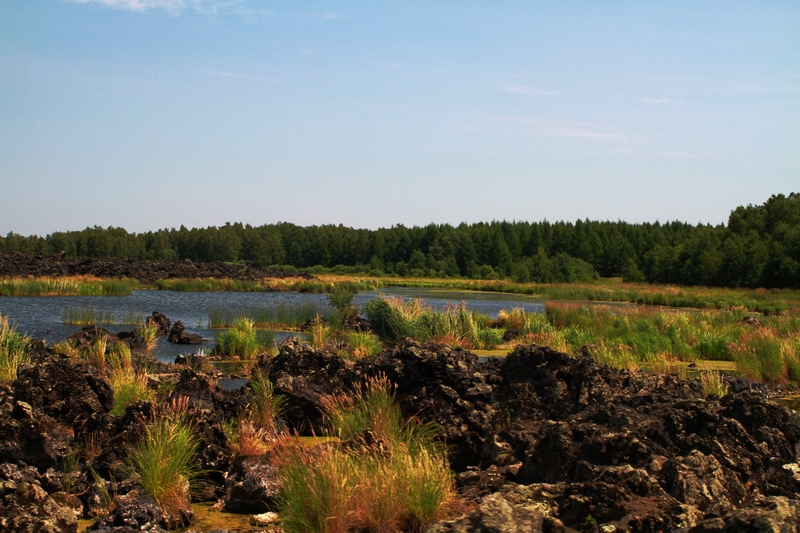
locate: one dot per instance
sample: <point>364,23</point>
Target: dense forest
<point>759,247</point>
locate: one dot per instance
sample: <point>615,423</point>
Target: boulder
<point>177,335</point>
<point>142,514</point>
<point>161,322</point>
<point>253,486</point>
<point>496,515</point>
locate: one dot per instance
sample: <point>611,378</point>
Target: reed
<point>132,318</point>
<point>278,317</point>
<point>83,316</point>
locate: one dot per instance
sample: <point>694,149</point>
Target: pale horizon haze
<point>151,114</point>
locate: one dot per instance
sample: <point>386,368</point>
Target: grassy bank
<point>767,301</point>
<point>73,286</point>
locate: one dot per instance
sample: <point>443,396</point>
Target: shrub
<point>340,297</point>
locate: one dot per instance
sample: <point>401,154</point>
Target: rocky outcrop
<point>444,385</point>
<point>142,514</point>
<point>23,265</point>
<point>25,507</point>
<point>160,321</point>
<point>178,335</point>
<point>495,514</point>
<point>253,486</point>
<point>304,375</point>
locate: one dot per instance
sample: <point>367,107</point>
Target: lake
<point>41,316</point>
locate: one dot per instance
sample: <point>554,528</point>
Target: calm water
<point>40,316</point>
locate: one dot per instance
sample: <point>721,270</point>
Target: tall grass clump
<point>393,319</point>
<point>256,428</point>
<point>264,405</point>
<point>361,345</point>
<point>241,341</point>
<point>129,387</point>
<point>149,333</point>
<point>763,354</point>
<point>319,332</point>
<point>165,461</point>
<point>95,354</point>
<point>401,482</point>
<point>14,350</point>
<point>712,383</point>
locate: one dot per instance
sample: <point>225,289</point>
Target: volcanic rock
<point>26,507</point>
<point>177,335</point>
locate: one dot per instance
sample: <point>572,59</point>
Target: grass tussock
<point>713,384</point>
<point>165,461</point>
<point>256,429</point>
<point>402,484</point>
<point>319,333</point>
<point>129,387</point>
<point>242,341</point>
<point>264,405</point>
<point>14,351</point>
<point>149,333</point>
<point>361,345</point>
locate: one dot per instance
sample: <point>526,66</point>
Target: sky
<point>151,114</point>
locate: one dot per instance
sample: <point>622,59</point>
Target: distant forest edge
<point>759,247</point>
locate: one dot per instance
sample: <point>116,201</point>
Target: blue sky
<point>149,114</point>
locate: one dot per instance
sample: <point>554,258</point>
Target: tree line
<point>759,247</point>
